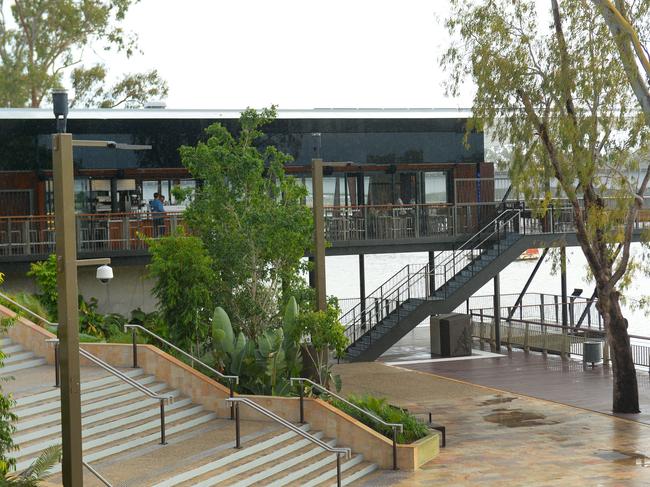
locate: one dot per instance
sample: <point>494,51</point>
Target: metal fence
<point>96,233</point>
<point>551,338</point>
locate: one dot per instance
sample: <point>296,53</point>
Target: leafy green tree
<point>554,92</point>
<point>183,285</point>
<point>250,217</point>
<point>48,42</point>
<point>321,332</point>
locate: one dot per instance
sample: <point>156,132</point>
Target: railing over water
<point>550,338</point>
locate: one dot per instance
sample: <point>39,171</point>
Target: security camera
<point>104,273</point>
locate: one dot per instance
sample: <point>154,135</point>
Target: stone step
<point>85,386</point>
<point>87,398</point>
<point>327,474</point>
<point>118,447</point>
<point>102,416</point>
<point>228,459</point>
<point>18,357</point>
<point>139,397</point>
<point>228,472</point>
<point>264,472</point>
<point>42,442</point>
<point>27,364</point>
<point>12,348</point>
<point>312,469</point>
<point>5,341</point>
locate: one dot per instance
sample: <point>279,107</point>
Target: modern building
<point>396,180</point>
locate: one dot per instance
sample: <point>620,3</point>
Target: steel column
<point>362,288</point>
<point>528,282</point>
<point>565,309</point>
<point>68,330</point>
<point>432,273</point>
<point>497,313</point>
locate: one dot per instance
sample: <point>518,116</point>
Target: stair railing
<point>96,474</point>
<point>162,399</point>
<point>277,419</point>
<point>394,426</point>
<point>231,379</point>
<point>465,256</point>
<point>417,284</point>
<point>28,311</point>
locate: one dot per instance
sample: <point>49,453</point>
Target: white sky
<point>296,54</point>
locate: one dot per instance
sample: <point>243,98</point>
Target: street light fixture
<point>67,263</point>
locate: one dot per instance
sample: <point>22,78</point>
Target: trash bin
<point>592,352</point>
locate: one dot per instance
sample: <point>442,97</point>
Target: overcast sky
<point>296,54</point>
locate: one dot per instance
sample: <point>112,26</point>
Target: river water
<point>343,279</point>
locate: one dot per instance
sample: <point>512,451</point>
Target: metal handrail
<point>183,352</point>
<point>163,399</point>
<point>229,378</point>
<point>270,414</point>
<point>394,426</point>
<point>96,474</point>
<point>28,311</point>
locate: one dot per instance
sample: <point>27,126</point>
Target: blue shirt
<point>157,206</point>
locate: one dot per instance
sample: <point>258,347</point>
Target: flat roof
<point>166,113</point>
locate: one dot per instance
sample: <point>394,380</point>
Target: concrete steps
<point>121,436</point>
<point>17,358</point>
<point>115,418</point>
<point>278,459</point>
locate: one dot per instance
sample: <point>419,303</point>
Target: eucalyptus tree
<point>45,40</point>
<point>550,85</point>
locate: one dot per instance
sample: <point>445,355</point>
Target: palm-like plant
<point>39,469</point>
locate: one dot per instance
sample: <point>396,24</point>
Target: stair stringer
<point>441,306</point>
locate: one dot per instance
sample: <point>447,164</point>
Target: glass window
<point>435,187</point>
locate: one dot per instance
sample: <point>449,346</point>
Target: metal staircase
<point>417,292</point>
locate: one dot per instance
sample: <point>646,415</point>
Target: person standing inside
<point>158,210</point>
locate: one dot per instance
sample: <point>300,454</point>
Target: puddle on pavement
<point>497,400</point>
<point>516,418</point>
<point>623,457</point>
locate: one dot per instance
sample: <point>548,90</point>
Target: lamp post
<point>66,259</point>
<point>67,263</point>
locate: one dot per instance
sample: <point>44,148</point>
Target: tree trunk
<point>625,390</point>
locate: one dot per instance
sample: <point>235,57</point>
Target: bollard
<point>302,406</point>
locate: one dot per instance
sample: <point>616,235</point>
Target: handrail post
<point>57,369</point>
<point>135,347</point>
<point>163,439</point>
<point>302,405</point>
<point>237,432</point>
<point>394,448</point>
<point>232,394</point>
<point>338,470</point>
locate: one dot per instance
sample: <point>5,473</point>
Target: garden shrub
<point>413,429</point>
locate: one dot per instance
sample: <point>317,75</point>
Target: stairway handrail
<point>373,292</point>
<point>399,426</point>
<point>120,375</point>
<point>481,231</point>
<point>274,417</point>
<point>28,311</point>
<point>229,378</point>
<point>96,474</point>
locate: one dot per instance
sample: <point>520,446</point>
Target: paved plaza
<point>497,438</point>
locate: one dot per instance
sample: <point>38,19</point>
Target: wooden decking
<point>531,374</point>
